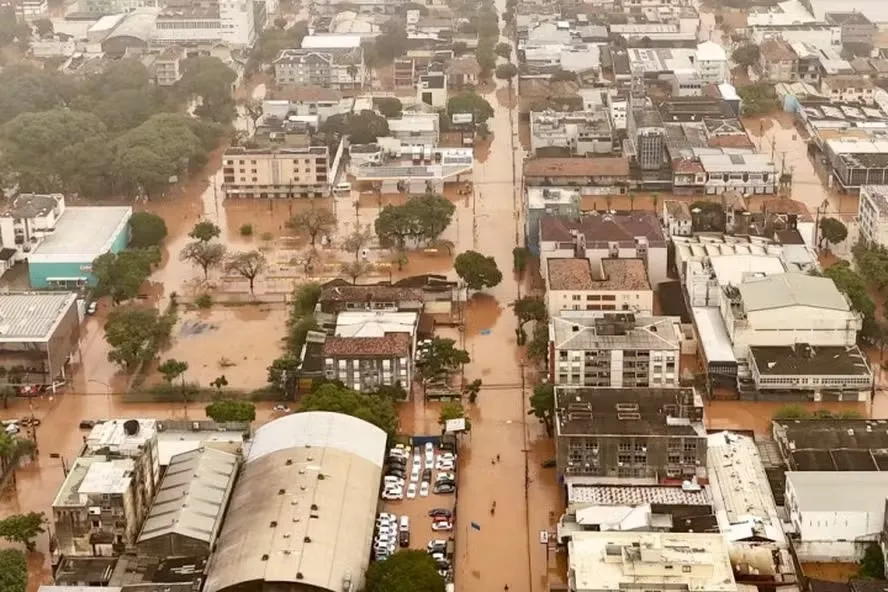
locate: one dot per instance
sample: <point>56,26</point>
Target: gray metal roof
<point>85,231</point>
<point>192,496</point>
<point>31,316</point>
<point>579,332</point>
<point>829,491</point>
<point>792,289</point>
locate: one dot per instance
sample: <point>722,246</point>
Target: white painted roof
<point>331,41</point>
<point>711,51</point>
<point>32,317</point>
<point>717,346</point>
<point>375,323</point>
<point>792,289</point>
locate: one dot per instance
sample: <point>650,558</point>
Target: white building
<point>745,173</point>
<point>613,561</point>
<point>615,350</point>
<point>225,21</point>
<point>872,214</point>
<point>820,35</point>
<point>712,63</point>
<point>432,89</point>
<point>635,235</point>
<point>416,129</point>
<point>25,222</point>
<point>572,133</point>
<point>615,285</point>
<point>677,218</point>
<point>835,514</point>
<point>338,68</point>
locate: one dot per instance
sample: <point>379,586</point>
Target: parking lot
<point>431,467</point>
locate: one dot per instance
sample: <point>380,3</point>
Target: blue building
<point>63,259</point>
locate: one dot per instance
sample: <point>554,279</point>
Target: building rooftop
<point>32,317</point>
<point>391,344</point>
<point>191,499</point>
<point>833,444</point>
<point>878,195</point>
<point>613,274</point>
<point>776,49</point>
<point>628,411</point>
<point>372,293</point>
<point>120,436</point>
<point>82,234</point>
<point>614,560</point>
<point>714,338</point>
<point>851,491</point>
<point>847,18</point>
<point>304,506</point>
<point>33,205</point>
<point>711,51</point>
<point>539,198</point>
<point>678,210</point>
<point>175,437</point>
<point>634,495</point>
<point>741,494</point>
<point>466,66</point>
<point>600,230</point>
<point>331,41</point>
<point>792,289</point>
<point>307,94</point>
<point>590,330</point>
<point>610,166</point>
<point>375,323</point>
<point>94,475</point>
<point>803,359</point>
<point>737,163</point>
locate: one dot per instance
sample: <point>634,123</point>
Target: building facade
<point>227,21</point>
<point>615,285</point>
<point>368,363</point>
<point>872,214</point>
<point>337,68</point>
<point>573,133</point>
<point>168,66</point>
<point>276,172</point>
<point>856,28</point>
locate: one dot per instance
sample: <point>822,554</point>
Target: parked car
<point>436,546</point>
<point>417,461</point>
<point>424,489</point>
<point>443,525</point>
<point>404,524</point>
<point>92,307</point>
<point>444,488</point>
<point>396,473</point>
<point>414,474</point>
<point>404,539</point>
<point>440,512</point>
<point>445,477</point>
<point>411,491</point>
<point>394,494</point>
<point>427,474</point>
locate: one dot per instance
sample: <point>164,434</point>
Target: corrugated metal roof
<point>191,498</point>
<point>792,289</point>
<point>32,316</point>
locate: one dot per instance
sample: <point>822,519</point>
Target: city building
<point>186,515</point>
<point>646,137</point>
<point>571,133</point>
<point>615,350</point>
<point>849,89</point>
<point>371,349</point>
<point>626,235</point>
<point>109,7</point>
<point>63,257</point>
<point>108,490</point>
<point>609,174</point>
<point>337,68</point>
<point>778,61</point>
<point>747,173</point>
<point>544,201</point>
<point>463,71</point>
<point>25,222</point>
<point>612,561</point>
<point>711,62</point>
<point>416,129</point>
<point>432,89</point>
<point>835,516</point>
<point>336,299</point>
<point>302,513</point>
<point>832,444</point>
<point>183,22</point>
<point>32,9</point>
<point>168,65</point>
<point>277,164</point>
<point>313,102</point>
<point>41,333</point>
<point>872,214</point>
<point>856,28</point>
<point>613,285</point>
<point>857,161</point>
<point>640,435</point>
<point>828,373</point>
<point>820,35</point>
<point>677,218</point>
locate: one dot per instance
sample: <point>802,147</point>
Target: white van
<point>404,524</point>
<point>342,189</point>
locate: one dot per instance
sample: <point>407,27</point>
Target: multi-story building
<point>777,60</point>
<point>647,137</point>
<point>168,65</point>
<point>572,133</point>
<point>856,28</point>
<point>677,218</point>
<point>28,220</point>
<point>872,214</point>
<point>210,21</point>
<point>849,89</point>
<point>615,350</point>
<point>542,201</point>
<point>416,129</point>
<point>305,101</point>
<point>857,161</point>
<point>645,435</point>
<point>614,285</point>
<point>337,68</point>
<point>807,62</point>
<point>604,561</point>
<point>337,299</point>
<point>712,63</point>
<point>108,491</point>
<point>816,34</point>
<point>607,174</point>
<point>105,7</point>
<point>32,9</point>
<point>820,373</point>
<point>273,166</point>
<point>633,235</point>
<point>746,173</point>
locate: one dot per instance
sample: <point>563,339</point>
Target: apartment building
<point>612,285</point>
<point>25,222</point>
<point>336,68</point>
<point>543,201</point>
<point>108,490</point>
<point>615,350</point>
<point>856,28</point>
<point>746,173</point>
<point>872,214</point>
<point>571,133</point>
<point>640,435</point>
<point>777,60</point>
<point>711,62</point>
<point>604,561</point>
<point>647,137</point>
<point>677,218</point>
<point>849,89</point>
<point>840,373</point>
<point>337,299</point>
<point>416,129</point>
<point>210,21</point>
<point>608,174</point>
<point>276,164</point>
<point>168,65</point>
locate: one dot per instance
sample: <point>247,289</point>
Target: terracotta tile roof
<point>391,344</point>
<point>570,274</point>
<point>577,167</point>
<point>373,293</point>
<point>776,49</point>
<point>777,205</point>
<point>686,165</point>
<point>731,141</point>
<point>678,210</point>
<point>622,228</point>
<point>307,93</point>
<point>614,274</point>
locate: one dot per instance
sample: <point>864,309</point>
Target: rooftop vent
<point>131,427</point>
<point>273,524</point>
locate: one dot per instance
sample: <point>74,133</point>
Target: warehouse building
<point>302,514</point>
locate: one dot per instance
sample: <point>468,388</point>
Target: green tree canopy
<point>746,55</point>
<point>205,231</point>
<point>873,563</point>
<point>451,410</point>
<point>120,275</point>
<point>361,128</point>
<point>470,102</point>
<point>506,71</point>
<point>477,270</point>
<point>23,528</point>
<point>314,222</point>
<point>530,308</point>
<point>832,230</point>
<point>390,107</point>
<point>172,369</point>
<point>13,567</point>
<point>146,230</point>
<point>854,286</point>
<point>422,217</point>
<point>247,264</point>
<point>442,356</point>
<point>272,41</point>
<point>379,411</point>
<point>210,79</point>
<point>503,50</point>
<point>228,410</point>
<point>542,404</point>
<point>405,571</point>
<point>134,334</point>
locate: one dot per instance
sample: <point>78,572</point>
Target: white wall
<point>640,302</point>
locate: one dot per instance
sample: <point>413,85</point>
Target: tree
<point>832,231</point>
<point>873,563</point>
<point>203,254</point>
<point>442,357</point>
<point>542,405</point>
<point>459,48</point>
<point>211,80</point>
<point>506,71</point>
<point>405,571</point>
<point>23,528</point>
<point>272,41</point>
<point>451,410</point>
<point>44,28</point>
<point>391,44</point>
<point>390,107</point>
<point>477,270</point>
<point>282,373</point>
<point>757,98</point>
<point>355,269</point>
<point>486,59</point>
<point>13,567</point>
<point>205,231</point>
<point>314,222</point>
<point>519,260</point>
<point>361,128</point>
<point>254,111</point>
<point>248,265</point>
<point>305,299</point>
<point>473,389</point>
<point>146,230</point>
<point>228,410</point>
<point>379,411</point>
<point>529,308</point>
<point>219,383</point>
<point>421,218</point>
<point>357,241</point>
<point>470,102</point>
<point>538,346</point>
<point>563,76</point>
<point>503,50</point>
<point>280,22</point>
<point>791,412</point>
<point>120,275</point>
<point>134,334</point>
<point>746,55</point>
<point>172,369</point>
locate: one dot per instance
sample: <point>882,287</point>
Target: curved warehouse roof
<point>303,510</point>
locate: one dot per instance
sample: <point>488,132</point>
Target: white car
<point>442,525</point>
<point>411,491</point>
<point>386,517</point>
<point>414,474</point>
<point>445,477</point>
<point>429,447</point>
<point>429,460</point>
<point>417,461</point>
<point>392,480</point>
<point>393,494</point>
<point>444,465</point>
<point>424,489</point>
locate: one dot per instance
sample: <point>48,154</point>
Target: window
<point>686,569</point>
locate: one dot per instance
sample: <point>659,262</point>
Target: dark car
<point>395,473</point>
<point>427,474</point>
<point>440,513</point>
<point>87,424</point>
<point>395,461</point>
<point>404,538</point>
<point>445,482</point>
<point>441,488</point>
